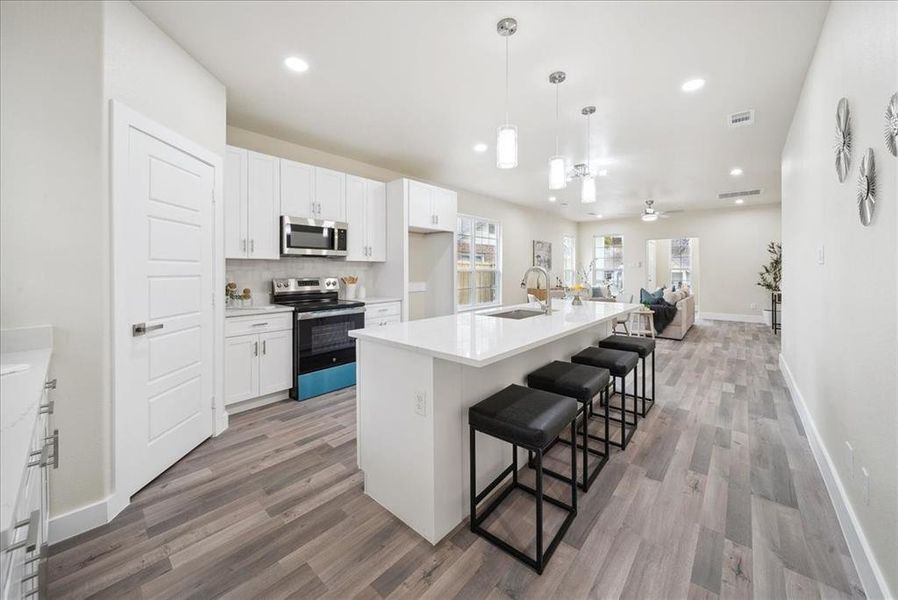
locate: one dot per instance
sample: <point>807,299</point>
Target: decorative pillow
<point>670,297</point>
<point>649,297</point>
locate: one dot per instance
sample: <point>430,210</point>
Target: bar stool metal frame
<point>645,411</point>
<point>626,433</point>
<point>539,563</point>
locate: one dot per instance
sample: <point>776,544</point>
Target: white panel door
<point>444,209</point>
<point>376,220</point>
<point>241,367</point>
<point>235,202</point>
<point>275,362</point>
<point>356,218</point>
<point>297,189</point>
<point>164,257</point>
<point>263,199</point>
<point>330,195</point>
<point>419,205</point>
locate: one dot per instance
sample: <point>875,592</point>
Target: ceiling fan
<point>650,213</point>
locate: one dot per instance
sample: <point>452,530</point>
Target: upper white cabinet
<point>366,215</point>
<point>431,208</point>
<point>312,192</point>
<point>252,204</point>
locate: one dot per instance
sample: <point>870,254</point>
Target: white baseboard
<point>868,570</point>
<point>729,317</point>
<point>239,407</point>
<point>70,524</point>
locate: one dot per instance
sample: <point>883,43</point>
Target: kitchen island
<point>415,382</point>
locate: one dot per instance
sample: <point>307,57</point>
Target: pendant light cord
<point>556,119</point>
<point>588,144</point>
<point>506,80</point>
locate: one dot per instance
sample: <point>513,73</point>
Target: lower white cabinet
<point>258,364</point>
<point>382,313</point>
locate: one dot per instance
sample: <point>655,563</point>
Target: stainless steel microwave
<point>311,237</point>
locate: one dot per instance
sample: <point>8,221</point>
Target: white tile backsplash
<point>257,274</point>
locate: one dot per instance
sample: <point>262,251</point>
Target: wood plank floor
<point>718,496</point>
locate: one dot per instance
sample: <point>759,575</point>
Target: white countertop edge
<point>359,334</point>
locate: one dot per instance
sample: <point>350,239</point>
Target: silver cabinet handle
<point>264,346</point>
<point>47,409</point>
<point>50,385</point>
<point>139,329</point>
<point>252,246</point>
<point>30,541</point>
<point>259,324</point>
<point>256,349</point>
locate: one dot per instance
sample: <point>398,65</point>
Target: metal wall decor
<point>866,188</point>
<point>843,140</point>
<point>892,125</point>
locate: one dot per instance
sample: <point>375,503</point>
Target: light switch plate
<point>421,403</point>
<point>820,254</point>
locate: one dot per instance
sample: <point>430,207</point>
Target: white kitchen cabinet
<point>297,189</point>
<point>383,313</point>
<point>366,215</point>
<point>431,208</point>
<point>261,362</point>
<point>330,195</point>
<point>275,362</point>
<point>252,205</point>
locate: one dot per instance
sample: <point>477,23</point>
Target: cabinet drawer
<point>381,321</point>
<point>386,309</point>
<point>258,324</point>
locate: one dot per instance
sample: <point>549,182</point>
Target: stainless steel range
<point>323,352</point>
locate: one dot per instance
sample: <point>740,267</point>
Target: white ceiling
<point>412,86</point>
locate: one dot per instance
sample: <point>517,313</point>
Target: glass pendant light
<point>507,134</point>
<point>557,167</point>
<point>588,189</point>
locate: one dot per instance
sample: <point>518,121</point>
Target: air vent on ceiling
<point>741,118</point>
<point>728,195</point>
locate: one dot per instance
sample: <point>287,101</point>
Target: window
<point>568,259</point>
<point>680,262</point>
<point>478,262</point>
<point>608,266</point>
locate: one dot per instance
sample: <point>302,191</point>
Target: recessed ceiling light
<point>294,63</point>
<point>693,85</point>
<point>740,201</point>
<point>480,147</point>
<point>603,173</point>
<point>736,172</point>
<point>552,198</point>
<point>598,216</point>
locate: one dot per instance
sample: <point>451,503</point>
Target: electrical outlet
<point>865,482</point>
<point>849,459</point>
<point>421,403</point>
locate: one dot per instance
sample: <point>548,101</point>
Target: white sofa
<point>677,328</point>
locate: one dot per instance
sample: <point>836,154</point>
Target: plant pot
<point>768,316</point>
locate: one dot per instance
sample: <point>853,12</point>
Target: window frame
<point>573,269</point>
<point>595,257</point>
<point>676,264</point>
<point>472,271</point>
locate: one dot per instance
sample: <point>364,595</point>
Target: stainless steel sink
<point>517,314</point>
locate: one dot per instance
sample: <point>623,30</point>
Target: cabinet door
<point>444,209</point>
<point>376,220</point>
<point>297,188</point>
<point>275,362</point>
<point>263,200</point>
<point>241,368</point>
<point>235,203</point>
<point>419,205</point>
<point>356,218</point>
<point>330,195</point>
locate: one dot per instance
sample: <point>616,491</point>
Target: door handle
<point>244,244</point>
<point>139,329</point>
<point>264,346</point>
<point>252,246</point>
<point>256,349</point>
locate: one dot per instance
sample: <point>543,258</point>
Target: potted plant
<point>771,275</point>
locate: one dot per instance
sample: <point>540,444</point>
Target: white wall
<point>520,225</point>
<point>62,63</point>
<point>732,248</point>
<point>840,338</point>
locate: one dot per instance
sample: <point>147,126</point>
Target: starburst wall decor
<point>866,188</point>
<point>843,140</point>
<point>891,131</point>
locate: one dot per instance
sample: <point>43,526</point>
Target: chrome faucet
<point>547,306</point>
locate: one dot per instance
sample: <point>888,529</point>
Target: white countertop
<point>262,309</point>
<point>379,299</point>
<point>478,339</point>
<point>20,397</point>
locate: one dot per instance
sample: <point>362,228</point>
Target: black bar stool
<point>620,364</point>
<point>642,346</point>
<point>531,419</point>
<point>582,383</point>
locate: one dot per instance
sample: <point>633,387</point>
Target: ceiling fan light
<point>557,173</point>
<point>588,191</point>
<point>648,217</point>
<point>507,147</point>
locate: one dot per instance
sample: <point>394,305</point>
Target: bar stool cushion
<point>619,362</point>
<point>523,416</point>
<point>641,345</point>
<point>582,382</point>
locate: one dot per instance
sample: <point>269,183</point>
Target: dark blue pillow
<point>650,297</point>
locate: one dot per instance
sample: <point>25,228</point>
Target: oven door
<point>322,339</point>
<point>311,237</point>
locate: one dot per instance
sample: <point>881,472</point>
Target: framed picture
<point>542,254</point>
